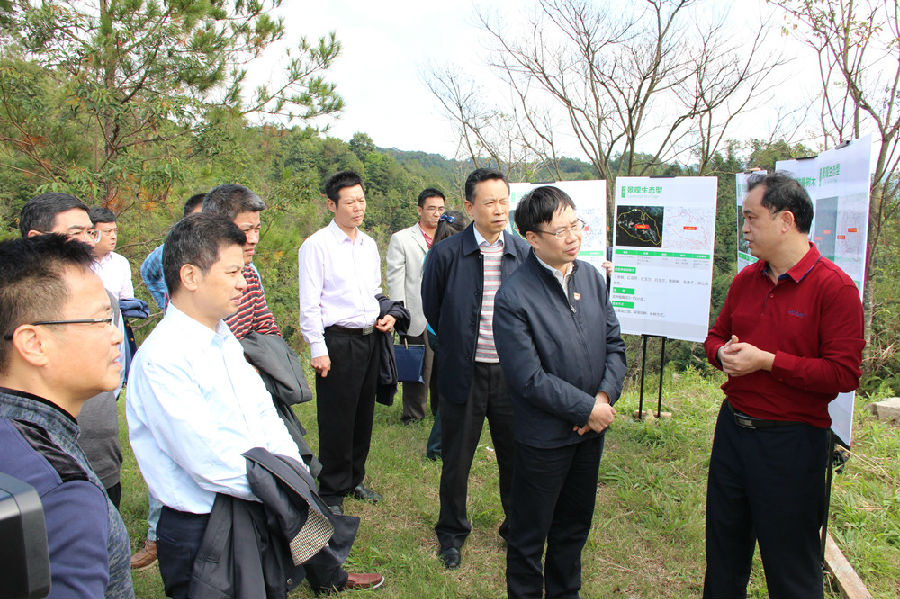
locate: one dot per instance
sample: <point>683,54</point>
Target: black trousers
<point>461,430</point>
<point>345,406</point>
<point>115,494</point>
<point>553,496</point>
<point>180,535</point>
<point>767,485</point>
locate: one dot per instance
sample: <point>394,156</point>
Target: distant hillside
<point>452,172</point>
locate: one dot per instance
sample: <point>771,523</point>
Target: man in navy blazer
<point>462,274</point>
<point>564,360</point>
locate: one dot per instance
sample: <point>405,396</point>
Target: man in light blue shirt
<point>194,403</point>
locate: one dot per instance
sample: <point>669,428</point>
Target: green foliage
<point>135,78</point>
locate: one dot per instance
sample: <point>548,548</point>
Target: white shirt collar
<point>480,240</point>
<point>341,237</point>
<point>562,278</point>
<point>195,327</point>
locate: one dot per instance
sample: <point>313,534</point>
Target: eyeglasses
<point>448,218</point>
<point>563,233</point>
<point>435,209</point>
<point>106,321</point>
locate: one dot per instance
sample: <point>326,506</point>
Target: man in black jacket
<point>461,277</point>
<point>564,360</point>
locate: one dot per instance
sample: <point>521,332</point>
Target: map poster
<point>590,206</point>
<point>744,258</point>
<point>838,184</point>
<point>663,244</point>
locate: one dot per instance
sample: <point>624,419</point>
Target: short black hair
<point>39,213</point>
<point>197,239</point>
<point>338,181</point>
<point>231,199</point>
<point>192,202</point>
<point>479,175</point>
<point>783,192</point>
<point>539,205</point>
<point>32,286</point>
<point>447,227</point>
<point>98,214</point>
<point>430,192</point>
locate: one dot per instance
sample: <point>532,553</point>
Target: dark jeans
<point>415,395</point>
<point>767,485</point>
<point>179,535</point>
<point>461,430</point>
<point>553,495</point>
<point>345,406</point>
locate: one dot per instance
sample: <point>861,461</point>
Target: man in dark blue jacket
<point>564,360</point>
<point>461,277</point>
<point>59,347</point>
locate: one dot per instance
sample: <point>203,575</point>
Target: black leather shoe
<point>360,492</point>
<point>451,557</point>
<point>336,510</point>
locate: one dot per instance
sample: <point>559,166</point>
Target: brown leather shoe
<point>363,581</point>
<point>144,558</point>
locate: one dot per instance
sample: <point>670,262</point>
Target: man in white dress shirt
<point>113,269</point>
<point>405,257</point>
<point>340,275</point>
<point>195,405</point>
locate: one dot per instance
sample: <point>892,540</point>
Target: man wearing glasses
<point>58,349</point>
<point>405,257</point>
<point>112,268</point>
<point>65,214</point>
<point>564,359</point>
<point>461,278</point>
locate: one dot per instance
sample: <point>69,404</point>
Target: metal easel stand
<point>662,367</point>
<point>828,480</point>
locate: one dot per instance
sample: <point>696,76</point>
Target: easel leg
<point>828,479</point>
<point>643,368</point>
<point>662,367</point>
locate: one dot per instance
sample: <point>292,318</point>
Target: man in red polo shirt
<point>790,338</point>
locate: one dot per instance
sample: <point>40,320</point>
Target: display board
<point>590,206</point>
<point>838,184</point>
<point>744,258</point>
<point>663,243</point>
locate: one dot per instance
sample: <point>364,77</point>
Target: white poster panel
<point>744,257</point>
<point>838,184</point>
<point>590,206</point>
<point>663,243</point>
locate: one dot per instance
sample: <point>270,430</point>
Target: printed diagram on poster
<point>663,242</point>
<point>837,181</point>
<point>590,206</point>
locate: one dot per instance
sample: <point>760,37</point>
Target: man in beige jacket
<point>405,257</point>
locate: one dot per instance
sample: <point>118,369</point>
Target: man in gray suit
<point>405,256</point>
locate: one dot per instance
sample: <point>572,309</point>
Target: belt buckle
<point>744,421</point>
<point>367,330</point>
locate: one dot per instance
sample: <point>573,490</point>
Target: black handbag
<point>410,359</point>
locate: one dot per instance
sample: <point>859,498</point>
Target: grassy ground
<point>647,538</point>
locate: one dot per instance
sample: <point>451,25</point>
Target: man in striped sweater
<point>242,206</point>
<point>462,274</point>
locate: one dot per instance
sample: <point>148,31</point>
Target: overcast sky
<point>388,46</point>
